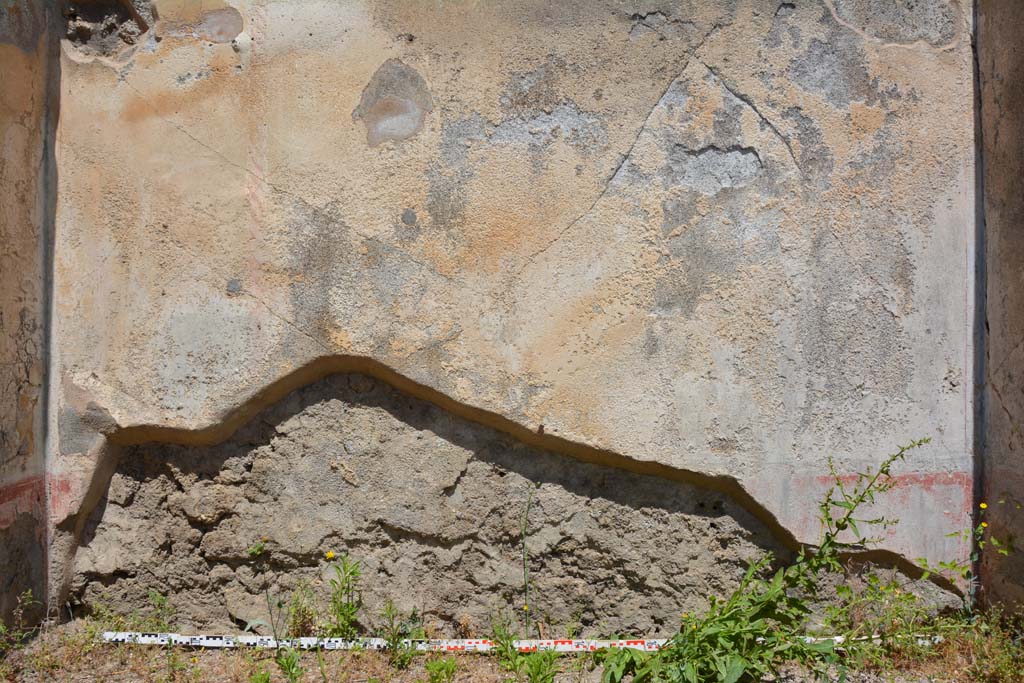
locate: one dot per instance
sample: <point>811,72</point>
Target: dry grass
<point>71,653</point>
<point>990,651</point>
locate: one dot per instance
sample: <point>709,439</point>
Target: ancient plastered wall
<point>718,240</point>
<point>1001,78</point>
<point>434,508</point>
<point>26,73</point>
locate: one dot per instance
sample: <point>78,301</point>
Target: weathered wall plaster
<point>1001,71</point>
<point>27,77</point>
<point>430,504</point>
<point>712,241</point>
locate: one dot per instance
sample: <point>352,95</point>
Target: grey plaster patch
<point>835,69</point>
<point>711,169</point>
<point>429,503</point>
<point>78,430</point>
<point>728,121</point>
<point>324,254</point>
<point>449,174</point>
<point>394,103</point>
<point>409,217</point>
<point>446,201</point>
<point>678,210</point>
<point>852,345</point>
<point>902,21</point>
<point>783,26</point>
<point>532,91</point>
<point>581,129</point>
<point>816,161</point>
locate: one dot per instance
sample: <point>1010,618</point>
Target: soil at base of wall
<point>69,653</point>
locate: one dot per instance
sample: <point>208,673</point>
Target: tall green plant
<point>346,600</point>
<point>398,632</point>
<point>747,636</point>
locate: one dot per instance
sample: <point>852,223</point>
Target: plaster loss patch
<point>710,169</point>
<point>432,505</point>
<point>107,27</point>
<point>394,104</point>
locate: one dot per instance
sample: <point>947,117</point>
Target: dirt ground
<point>73,653</point>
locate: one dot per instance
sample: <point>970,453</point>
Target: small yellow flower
<point>526,608</point>
<point>195,659</point>
<point>984,525</point>
<point>984,506</point>
<point>329,555</point>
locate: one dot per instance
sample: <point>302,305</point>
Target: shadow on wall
<point>429,502</point>
<point>29,107</point>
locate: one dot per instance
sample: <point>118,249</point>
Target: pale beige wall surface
<point>730,238</point>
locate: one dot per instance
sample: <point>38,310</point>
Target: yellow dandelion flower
<point>984,506</point>
<point>329,555</point>
<point>984,525</point>
<point>526,608</point>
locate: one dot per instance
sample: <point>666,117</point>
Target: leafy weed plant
<point>442,670</point>
<point>398,632</point>
<point>289,661</point>
<point>302,613</point>
<point>760,627</point>
<point>346,602</point>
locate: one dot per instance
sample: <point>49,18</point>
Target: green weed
<point>540,667</point>
<point>442,670</point>
<point>761,626</point>
<point>261,675</point>
<point>346,602</point>
<point>398,632</point>
<point>302,613</point>
<point>289,661</point>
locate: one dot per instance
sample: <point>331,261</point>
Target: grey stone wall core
<point>429,503</point>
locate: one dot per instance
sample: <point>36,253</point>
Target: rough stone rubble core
<point>430,504</point>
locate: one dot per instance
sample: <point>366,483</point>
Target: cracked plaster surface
<point>533,248</point>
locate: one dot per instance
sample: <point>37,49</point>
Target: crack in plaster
<point>1006,356</point>
<point>747,100</point>
<point>245,292</point>
<point>691,54</point>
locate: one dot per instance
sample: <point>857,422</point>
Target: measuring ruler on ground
<point>434,645</point>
